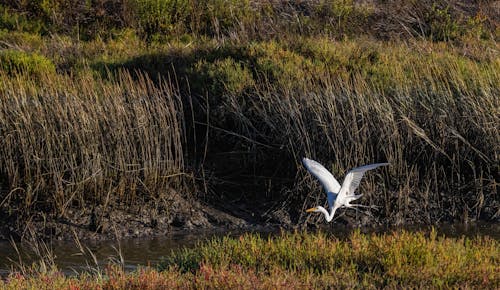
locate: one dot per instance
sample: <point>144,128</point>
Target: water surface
<point>92,255</point>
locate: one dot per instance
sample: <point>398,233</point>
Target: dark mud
<point>151,219</point>
<point>181,215</point>
<point>121,221</point>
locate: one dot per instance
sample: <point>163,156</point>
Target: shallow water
<point>149,251</point>
<point>70,259</point>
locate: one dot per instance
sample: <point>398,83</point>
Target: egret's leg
<point>362,205</point>
<point>358,205</point>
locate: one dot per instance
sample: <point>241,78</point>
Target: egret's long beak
<point>311,209</point>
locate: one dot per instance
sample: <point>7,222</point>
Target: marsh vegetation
<point>151,107</point>
<point>300,260</point>
<point>139,117</point>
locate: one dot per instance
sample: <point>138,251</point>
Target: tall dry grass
<point>77,142</point>
<point>431,113</point>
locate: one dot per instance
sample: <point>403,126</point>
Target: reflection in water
<point>135,252</point>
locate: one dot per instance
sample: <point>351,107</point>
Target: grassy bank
<point>303,260</point>
<point>150,99</point>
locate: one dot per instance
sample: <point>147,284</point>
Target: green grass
<point>304,260</point>
<point>33,64</point>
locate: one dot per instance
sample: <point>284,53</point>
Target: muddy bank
<point>122,221</point>
<point>181,215</point>
<point>152,219</point>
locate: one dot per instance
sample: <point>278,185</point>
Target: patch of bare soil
<point>121,221</point>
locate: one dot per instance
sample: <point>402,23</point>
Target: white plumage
<point>338,196</point>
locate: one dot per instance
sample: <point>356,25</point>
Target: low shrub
<point>223,76</point>
<point>12,20</point>
<point>14,61</point>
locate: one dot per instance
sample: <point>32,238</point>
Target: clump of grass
<point>222,76</point>
<point>23,40</point>
<point>10,19</point>
<point>70,143</point>
<point>15,61</point>
<point>428,108</point>
<point>305,260</point>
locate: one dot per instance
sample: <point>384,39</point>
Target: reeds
<point>78,142</point>
<point>429,111</point>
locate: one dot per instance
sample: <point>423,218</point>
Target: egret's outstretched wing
<point>353,178</point>
<point>330,184</point>
<point>352,197</point>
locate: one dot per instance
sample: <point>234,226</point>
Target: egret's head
<point>312,209</point>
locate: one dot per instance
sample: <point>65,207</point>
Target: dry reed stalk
<point>71,142</point>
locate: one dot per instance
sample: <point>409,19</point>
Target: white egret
<point>338,196</point>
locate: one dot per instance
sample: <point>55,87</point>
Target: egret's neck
<point>328,215</point>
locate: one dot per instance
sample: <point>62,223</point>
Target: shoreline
<point>122,222</point>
